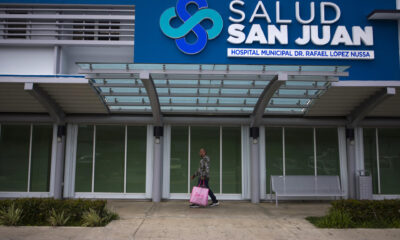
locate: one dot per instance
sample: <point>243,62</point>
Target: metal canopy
<point>210,89</point>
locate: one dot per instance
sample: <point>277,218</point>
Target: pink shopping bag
<point>199,196</point>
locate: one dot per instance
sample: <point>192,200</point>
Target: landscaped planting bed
<point>50,212</point>
<point>360,214</point>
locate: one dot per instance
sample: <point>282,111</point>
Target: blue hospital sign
<point>318,32</point>
<point>269,32</point>
<point>265,32</point>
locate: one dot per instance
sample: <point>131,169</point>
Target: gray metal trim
<point>217,72</point>
<point>265,98</point>
<point>46,101</point>
<point>218,86</point>
<point>369,105</point>
<point>55,80</point>
<point>380,122</point>
<point>109,119</point>
<point>24,118</point>
<point>211,95</point>
<point>97,43</point>
<point>96,7</point>
<point>304,122</point>
<point>151,90</point>
<point>374,83</point>
<point>200,120</point>
<point>243,105</point>
<point>216,112</point>
<point>67,17</point>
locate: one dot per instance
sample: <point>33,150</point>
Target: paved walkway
<point>231,220</point>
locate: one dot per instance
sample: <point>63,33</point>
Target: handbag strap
<point>204,183</point>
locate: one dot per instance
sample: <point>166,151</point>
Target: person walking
<point>204,176</point>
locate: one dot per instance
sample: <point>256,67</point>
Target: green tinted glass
<point>231,160</point>
<point>41,158</point>
<point>327,151</point>
<point>299,150</point>
<point>109,163</point>
<point>273,154</point>
<point>208,138</point>
<point>370,162</point>
<point>136,160</point>
<point>389,160</point>
<point>179,160</point>
<point>14,157</point>
<point>84,159</point>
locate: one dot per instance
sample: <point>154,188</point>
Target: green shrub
<point>58,219</point>
<point>37,211</point>
<point>335,219</point>
<point>10,216</point>
<point>360,214</point>
<point>109,216</point>
<point>91,218</point>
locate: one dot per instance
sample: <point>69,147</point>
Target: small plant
<point>335,219</point>
<point>92,218</point>
<point>109,216</point>
<point>58,219</point>
<point>10,216</point>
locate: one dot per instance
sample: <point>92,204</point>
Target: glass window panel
<point>231,160</point>
<point>389,160</point>
<point>84,159</point>
<point>14,157</point>
<point>133,109</point>
<point>146,66</point>
<point>179,160</point>
<point>370,156</point>
<point>182,67</point>
<point>109,162</point>
<point>273,154</point>
<point>136,159</point>
<point>261,83</point>
<point>109,66</point>
<point>41,158</point>
<point>159,81</point>
<point>208,138</point>
<point>299,83</point>
<point>291,110</point>
<point>328,162</point>
<point>299,148</point>
<point>208,90</point>
<point>234,91</point>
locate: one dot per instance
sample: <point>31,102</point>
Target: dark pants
<point>210,193</point>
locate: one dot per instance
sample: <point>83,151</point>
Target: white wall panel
<point>27,60</point>
<point>114,54</point>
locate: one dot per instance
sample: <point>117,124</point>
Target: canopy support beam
<point>47,102</point>
<point>360,112</point>
<point>266,96</point>
<point>150,87</point>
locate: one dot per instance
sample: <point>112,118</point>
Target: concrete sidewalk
<point>231,220</point>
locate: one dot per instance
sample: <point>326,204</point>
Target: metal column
<point>59,163</point>
<point>351,163</point>
<point>255,165</point>
<point>157,164</point>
